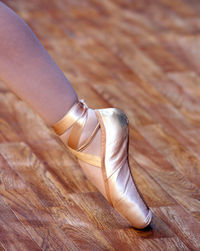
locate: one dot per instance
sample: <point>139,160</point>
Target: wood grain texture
<point>143,58</point>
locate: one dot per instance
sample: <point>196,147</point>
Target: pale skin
<point>30,72</point>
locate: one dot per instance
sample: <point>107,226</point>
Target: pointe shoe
<point>121,191</point>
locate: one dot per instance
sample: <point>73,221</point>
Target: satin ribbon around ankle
<point>76,118</point>
<point>76,111</point>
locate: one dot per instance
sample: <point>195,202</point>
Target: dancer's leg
<point>28,70</point>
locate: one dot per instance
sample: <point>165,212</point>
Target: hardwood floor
<point>143,58</point>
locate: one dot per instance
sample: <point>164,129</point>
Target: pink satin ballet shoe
<point>121,191</point>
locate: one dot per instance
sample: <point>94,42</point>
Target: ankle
<point>90,125</point>
<point>87,130</point>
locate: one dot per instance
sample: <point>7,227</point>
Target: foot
<point>105,130</point>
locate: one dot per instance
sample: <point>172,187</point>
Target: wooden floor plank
<point>13,235</point>
<point>35,218</point>
<point>172,181</point>
<point>177,217</point>
<point>157,244</point>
